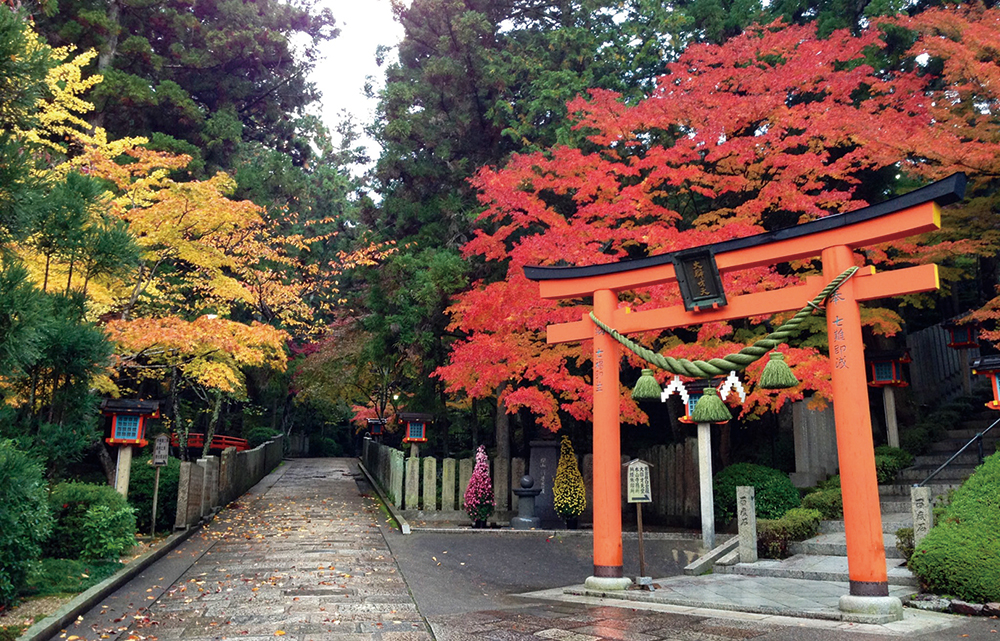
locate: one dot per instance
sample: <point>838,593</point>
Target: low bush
<point>260,435</point>
<point>773,491</point>
<point>829,503</point>
<point>886,469</point>
<point>71,505</point>
<point>904,542</point>
<point>140,492</point>
<point>67,576</point>
<point>325,446</point>
<point>774,536</point>
<point>904,458</point>
<point>959,555</point>
<point>25,520</point>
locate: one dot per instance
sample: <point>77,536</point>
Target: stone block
<point>430,484</point>
<point>464,474</point>
<point>542,467</point>
<point>412,498</point>
<point>746,519</point>
<point>396,466</point>
<point>922,511</point>
<point>183,490</point>
<point>968,609</point>
<point>448,485</point>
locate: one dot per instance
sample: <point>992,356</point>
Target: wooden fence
<point>937,371</point>
<point>424,488</point>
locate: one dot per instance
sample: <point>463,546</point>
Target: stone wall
<point>210,483</point>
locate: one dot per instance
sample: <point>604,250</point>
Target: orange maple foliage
<point>773,128</point>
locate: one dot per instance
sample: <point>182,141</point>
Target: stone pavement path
<point>304,556</point>
<point>305,561</point>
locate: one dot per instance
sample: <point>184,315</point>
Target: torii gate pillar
<point>855,448</point>
<point>833,239</point>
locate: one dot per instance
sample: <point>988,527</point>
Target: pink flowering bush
<point>479,502</point>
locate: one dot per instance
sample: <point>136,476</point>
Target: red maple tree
<point>773,128</point>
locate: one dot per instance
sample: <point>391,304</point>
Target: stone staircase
<point>824,557</point>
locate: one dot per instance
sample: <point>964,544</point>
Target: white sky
<point>350,57</point>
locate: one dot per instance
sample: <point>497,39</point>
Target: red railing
<point>219,441</point>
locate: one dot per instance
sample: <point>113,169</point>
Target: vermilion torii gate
<point>833,239</point>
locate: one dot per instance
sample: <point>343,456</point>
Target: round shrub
<point>829,503</point>
<point>959,555</point>
<point>25,520</point>
<point>140,492</point>
<point>71,505</point>
<point>773,491</point>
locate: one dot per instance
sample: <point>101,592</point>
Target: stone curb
<point>404,525</point>
<point>87,599</point>
<point>507,531</point>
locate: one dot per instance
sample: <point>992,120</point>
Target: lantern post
<point>886,371</point>
<point>128,428</point>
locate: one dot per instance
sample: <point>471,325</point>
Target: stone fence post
<point>746,515</point>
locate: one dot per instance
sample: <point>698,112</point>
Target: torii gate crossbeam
<point>833,240</point>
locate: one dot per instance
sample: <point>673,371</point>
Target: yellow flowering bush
<point>569,495</point>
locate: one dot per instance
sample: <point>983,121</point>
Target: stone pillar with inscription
<point>746,517</point>
<point>923,514</point>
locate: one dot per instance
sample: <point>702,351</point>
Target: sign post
<point>161,452</point>
<point>639,492</point>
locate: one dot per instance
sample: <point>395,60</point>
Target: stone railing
<point>212,482</point>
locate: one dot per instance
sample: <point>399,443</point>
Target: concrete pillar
<point>891,427</point>
<point>123,470</point>
<point>705,485</point>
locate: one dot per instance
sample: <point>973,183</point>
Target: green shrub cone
<point>777,374</point>
<point>710,408</point>
<point>646,388</point>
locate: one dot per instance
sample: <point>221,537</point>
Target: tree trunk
<point>212,424</point>
<point>107,464</point>
<point>501,465</point>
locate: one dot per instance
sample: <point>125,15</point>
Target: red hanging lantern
<point>128,420</point>
<point>415,426</point>
<point>886,368</point>
<point>963,335</point>
<point>375,426</point>
<point>990,366</point>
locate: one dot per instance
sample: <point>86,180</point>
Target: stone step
<point>901,491</point>
<point>898,505</point>
<point>953,473</point>
<point>933,460</point>
<point>815,568</point>
<point>835,544</point>
<point>968,431</point>
<point>890,523</point>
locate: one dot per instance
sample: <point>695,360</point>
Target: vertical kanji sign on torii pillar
<point>833,240</point>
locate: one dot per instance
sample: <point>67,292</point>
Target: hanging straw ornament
<point>777,374</point>
<point>646,388</point>
<point>710,408</point>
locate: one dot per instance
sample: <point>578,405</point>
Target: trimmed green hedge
<point>92,521</point>
<point>140,492</point>
<point>25,520</point>
<point>829,503</point>
<point>889,461</point>
<point>959,556</point>
<point>773,536</point>
<point>773,491</point>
